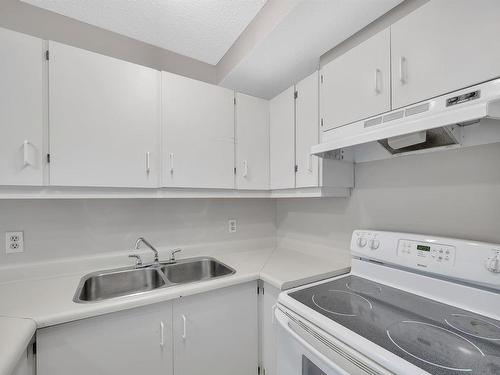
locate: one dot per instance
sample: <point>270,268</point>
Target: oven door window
<point>309,368</point>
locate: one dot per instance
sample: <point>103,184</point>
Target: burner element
<point>363,286</point>
<point>474,326</point>
<point>435,345</point>
<point>341,302</point>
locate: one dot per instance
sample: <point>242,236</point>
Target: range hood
<point>426,126</point>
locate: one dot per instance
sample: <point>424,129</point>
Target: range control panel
<point>425,252</point>
<point>471,261</point>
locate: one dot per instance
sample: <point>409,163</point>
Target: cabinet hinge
<point>258,370</point>
<point>234,170</point>
<point>47,55</point>
<point>321,122</point>
<point>296,169</point>
<point>234,101</point>
<point>48,158</point>
<point>296,94</point>
<point>321,78</point>
<point>34,348</point>
<point>260,289</point>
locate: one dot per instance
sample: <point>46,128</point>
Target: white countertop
<point>15,335</point>
<point>287,268</point>
<point>41,300</point>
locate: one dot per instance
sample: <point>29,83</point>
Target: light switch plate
<point>14,242</point>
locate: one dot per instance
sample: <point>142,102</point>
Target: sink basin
<point>121,282</point>
<point>198,269</point>
<point>104,285</point>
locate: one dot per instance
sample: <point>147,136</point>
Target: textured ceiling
<point>292,49</point>
<point>201,29</point>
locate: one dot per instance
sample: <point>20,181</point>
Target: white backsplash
<point>58,229</point>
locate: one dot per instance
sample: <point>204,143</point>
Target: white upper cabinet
<point>216,333</point>
<point>356,85</point>
<point>198,134</point>
<point>444,46</point>
<point>282,123</point>
<point>307,131</point>
<point>252,143</point>
<point>104,120</point>
<point>21,109</point>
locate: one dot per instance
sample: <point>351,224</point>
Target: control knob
<point>374,244</point>
<point>493,263</point>
<point>361,242</point>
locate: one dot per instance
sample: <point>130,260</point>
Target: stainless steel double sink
<point>102,285</point>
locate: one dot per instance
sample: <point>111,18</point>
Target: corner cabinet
<point>295,129</point>
<point>198,134</point>
<point>128,342</point>
<point>252,143</point>
<point>104,120</point>
<point>282,138</point>
<point>444,46</point>
<point>217,332</point>
<point>357,84</point>
<point>268,302</point>
<point>22,63</point>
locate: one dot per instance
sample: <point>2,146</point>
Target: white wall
<point>54,229</point>
<point>453,193</point>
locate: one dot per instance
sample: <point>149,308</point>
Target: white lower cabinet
<point>129,342</point>
<point>26,365</point>
<point>216,333</point>
<point>267,305</point>
<point>209,333</point>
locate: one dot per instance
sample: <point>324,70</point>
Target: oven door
<point>305,350</point>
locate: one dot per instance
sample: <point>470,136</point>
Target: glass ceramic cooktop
<point>438,338</point>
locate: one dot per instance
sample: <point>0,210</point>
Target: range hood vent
<point>430,125</point>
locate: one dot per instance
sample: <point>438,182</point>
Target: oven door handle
<point>285,323</point>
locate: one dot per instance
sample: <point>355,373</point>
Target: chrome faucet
<point>151,247</point>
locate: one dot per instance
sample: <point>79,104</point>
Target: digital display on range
<point>423,248</point>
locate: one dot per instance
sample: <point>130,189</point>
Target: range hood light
<point>407,140</point>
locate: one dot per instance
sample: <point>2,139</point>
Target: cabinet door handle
<point>377,81</point>
<point>148,162</point>
<point>402,70</point>
<point>184,334</point>
<point>171,156</point>
<point>245,168</point>
<point>162,334</point>
<point>28,154</point>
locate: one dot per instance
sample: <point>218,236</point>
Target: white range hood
<point>433,124</point>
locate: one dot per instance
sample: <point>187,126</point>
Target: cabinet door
<point>269,301</point>
<point>282,123</point>
<point>356,85</point>
<point>217,332</point>
<point>198,134</point>
<point>126,343</point>
<point>21,109</point>
<point>307,131</point>
<point>443,46</point>
<point>252,143</point>
<point>104,120</point>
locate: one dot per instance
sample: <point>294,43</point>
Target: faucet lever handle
<point>173,252</point>
<point>138,260</point>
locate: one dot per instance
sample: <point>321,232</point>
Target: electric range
<point>412,304</point>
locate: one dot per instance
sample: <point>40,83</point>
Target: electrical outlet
<point>14,242</point>
<point>232,225</point>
